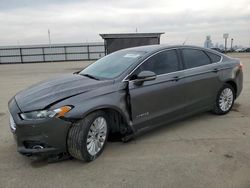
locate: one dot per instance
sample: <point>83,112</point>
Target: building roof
<point>130,35</point>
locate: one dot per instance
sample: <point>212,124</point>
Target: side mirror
<point>77,72</point>
<point>144,76</point>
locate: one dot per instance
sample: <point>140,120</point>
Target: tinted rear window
<point>195,58</point>
<point>214,58</point>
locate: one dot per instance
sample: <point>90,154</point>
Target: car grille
<point>12,124</point>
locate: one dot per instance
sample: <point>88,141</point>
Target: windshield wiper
<point>90,76</point>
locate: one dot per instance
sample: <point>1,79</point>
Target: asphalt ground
<point>201,151</point>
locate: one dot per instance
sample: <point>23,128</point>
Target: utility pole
<point>225,36</point>
<point>49,37</point>
<point>50,45</point>
<point>232,40</point>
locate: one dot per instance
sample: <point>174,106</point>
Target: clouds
<point>81,21</point>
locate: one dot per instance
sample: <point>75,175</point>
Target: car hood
<point>41,95</point>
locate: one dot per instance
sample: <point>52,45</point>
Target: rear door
<point>201,77</point>
<point>157,100</point>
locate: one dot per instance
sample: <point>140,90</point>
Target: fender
<point>114,97</point>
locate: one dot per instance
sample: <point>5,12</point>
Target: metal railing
<point>47,53</point>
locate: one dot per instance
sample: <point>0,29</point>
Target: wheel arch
<point>119,121</point>
<point>233,84</point>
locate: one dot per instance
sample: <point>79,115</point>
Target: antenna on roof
<point>185,41</point>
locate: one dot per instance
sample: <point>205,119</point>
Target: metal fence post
<point>21,55</point>
<point>43,54</point>
<point>65,53</point>
<point>88,52</point>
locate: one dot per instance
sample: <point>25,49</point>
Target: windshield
<point>113,65</point>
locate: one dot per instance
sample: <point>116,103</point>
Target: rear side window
<point>161,63</point>
<point>195,58</point>
<point>214,58</point>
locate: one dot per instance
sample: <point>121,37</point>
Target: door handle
<point>176,78</point>
<point>215,70</point>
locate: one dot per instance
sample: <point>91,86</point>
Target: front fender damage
<point>113,99</point>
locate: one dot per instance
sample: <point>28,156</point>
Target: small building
<point>114,42</point>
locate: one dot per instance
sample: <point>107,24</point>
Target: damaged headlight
<point>42,114</point>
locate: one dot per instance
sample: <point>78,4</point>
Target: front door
<point>158,100</point>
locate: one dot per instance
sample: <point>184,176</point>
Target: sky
<point>77,21</point>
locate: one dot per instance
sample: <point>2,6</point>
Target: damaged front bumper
<point>40,137</point>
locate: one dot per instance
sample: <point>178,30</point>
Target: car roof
<point>149,49</point>
<point>152,48</point>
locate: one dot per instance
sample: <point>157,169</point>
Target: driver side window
<point>161,63</point>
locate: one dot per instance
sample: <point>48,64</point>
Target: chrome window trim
<point>221,58</point>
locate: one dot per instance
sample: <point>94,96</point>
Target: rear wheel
<point>225,100</point>
<point>87,138</point>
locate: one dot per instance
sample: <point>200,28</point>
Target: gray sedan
<point>122,94</point>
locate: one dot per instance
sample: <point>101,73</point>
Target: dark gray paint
<point>169,97</point>
<point>41,95</point>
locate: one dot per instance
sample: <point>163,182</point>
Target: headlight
<point>42,114</point>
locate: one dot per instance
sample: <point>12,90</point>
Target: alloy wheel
<point>97,135</point>
<point>226,99</point>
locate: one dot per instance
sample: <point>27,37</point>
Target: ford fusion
<point>124,93</point>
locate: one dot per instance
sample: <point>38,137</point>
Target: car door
<point>156,100</point>
<point>201,77</point>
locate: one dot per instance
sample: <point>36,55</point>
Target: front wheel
<point>225,100</point>
<point>87,138</point>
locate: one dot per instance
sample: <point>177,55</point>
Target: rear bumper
<point>239,82</point>
<point>43,137</point>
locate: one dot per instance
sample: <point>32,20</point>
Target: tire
<point>80,134</point>
<point>219,108</point>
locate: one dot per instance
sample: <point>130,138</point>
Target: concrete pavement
<point>202,151</point>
